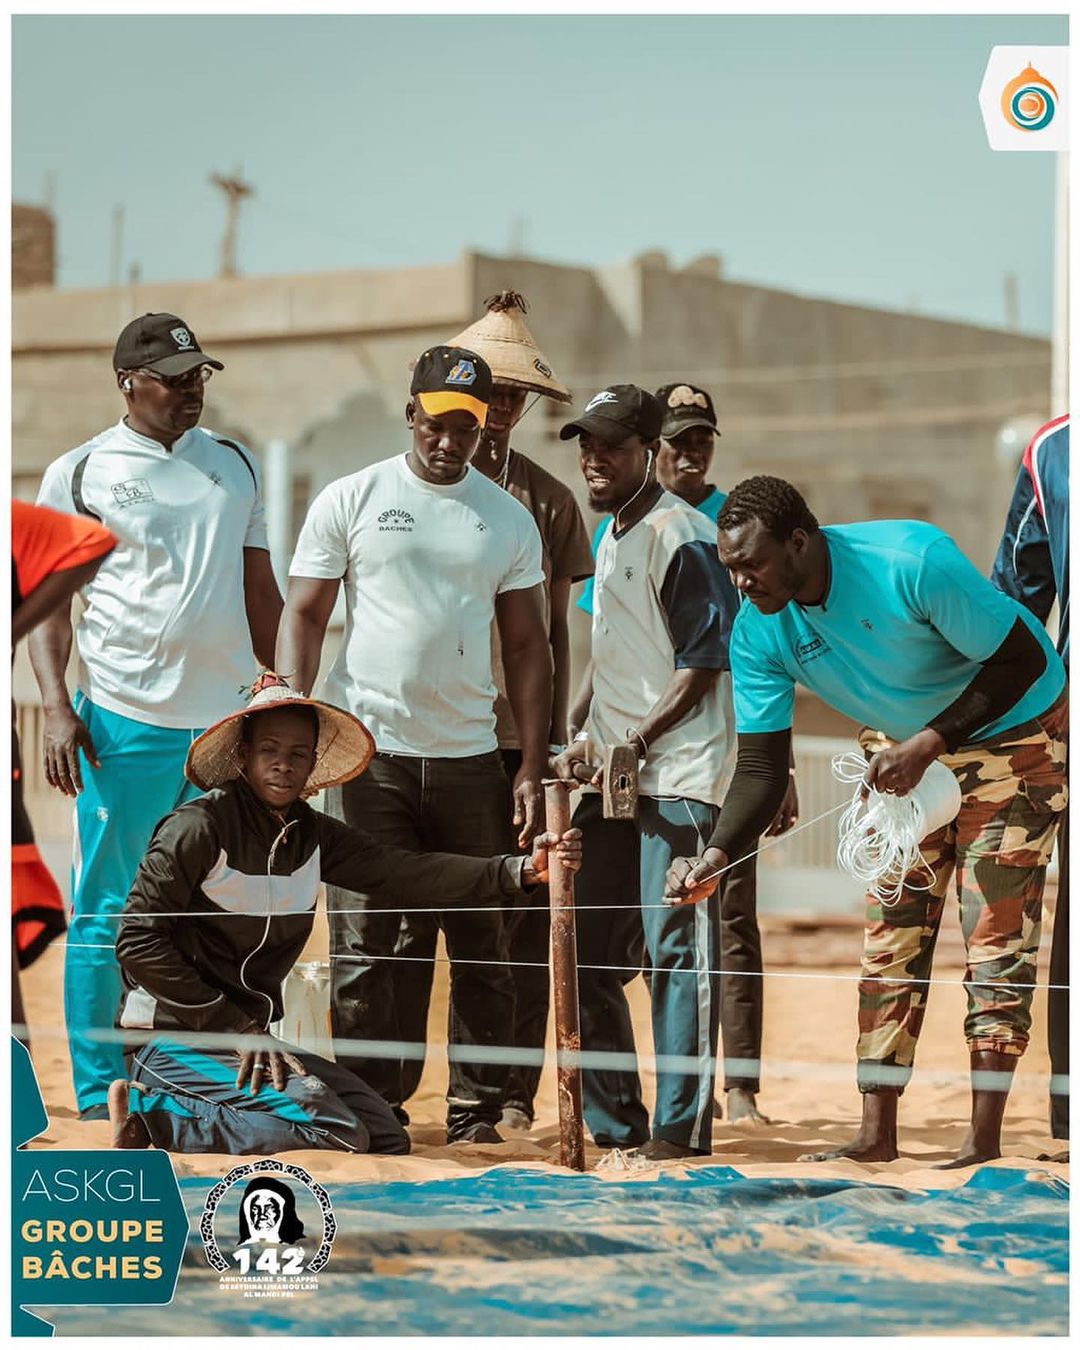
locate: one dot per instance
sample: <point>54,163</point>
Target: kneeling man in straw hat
<point>221,908</point>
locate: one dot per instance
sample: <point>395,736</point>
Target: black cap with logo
<point>617,412</point>
<point>160,342</point>
<point>685,406</point>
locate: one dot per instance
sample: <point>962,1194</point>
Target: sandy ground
<point>808,1081</point>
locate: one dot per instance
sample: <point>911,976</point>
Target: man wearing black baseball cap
<point>659,683</point>
<point>161,343</point>
<point>174,623</point>
<point>688,439</point>
<point>432,554</point>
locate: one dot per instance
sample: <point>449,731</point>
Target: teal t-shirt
<point>710,507</point>
<point>903,630</point>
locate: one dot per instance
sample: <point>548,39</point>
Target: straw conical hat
<point>345,747</point>
<point>505,343</point>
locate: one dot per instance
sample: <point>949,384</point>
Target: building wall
<point>33,247</point>
<point>871,413</point>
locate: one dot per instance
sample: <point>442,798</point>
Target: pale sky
<point>836,156</point>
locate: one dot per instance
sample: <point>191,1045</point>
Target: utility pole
<point>116,253</point>
<point>1012,302</point>
<point>516,247</point>
<point>235,190</point>
<point>1059,345</point>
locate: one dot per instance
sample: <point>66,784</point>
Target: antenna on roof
<point>235,190</point>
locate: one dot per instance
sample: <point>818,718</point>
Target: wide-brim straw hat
<point>503,340</point>
<point>344,750</point>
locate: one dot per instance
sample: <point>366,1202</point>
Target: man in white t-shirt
<point>659,682</point>
<point>431,553</point>
<point>165,645</point>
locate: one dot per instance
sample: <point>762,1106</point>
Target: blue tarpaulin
<point>515,1252</point>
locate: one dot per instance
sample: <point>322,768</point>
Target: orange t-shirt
<point>44,541</point>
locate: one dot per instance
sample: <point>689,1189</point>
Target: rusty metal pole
<point>564,973</point>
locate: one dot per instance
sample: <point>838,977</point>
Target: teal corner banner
<point>88,1227</point>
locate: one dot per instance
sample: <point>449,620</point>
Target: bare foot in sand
<point>128,1131</point>
<point>856,1151</point>
<point>876,1140</point>
<point>972,1152</point>
<point>742,1108</point>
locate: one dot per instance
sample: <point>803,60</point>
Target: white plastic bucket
<point>938,793</point>
<point>305,1020</point>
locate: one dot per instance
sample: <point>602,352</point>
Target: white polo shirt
<point>663,602</point>
<point>164,637</point>
<point>422,564</point>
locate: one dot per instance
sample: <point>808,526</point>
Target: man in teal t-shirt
<point>890,624</point>
<point>688,440</point>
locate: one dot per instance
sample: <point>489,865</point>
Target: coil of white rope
<point>880,835</point>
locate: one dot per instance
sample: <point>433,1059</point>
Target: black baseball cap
<point>685,406</point>
<point>614,413</point>
<point>160,342</point>
<point>449,378</point>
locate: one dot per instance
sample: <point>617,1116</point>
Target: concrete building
<point>871,413</point>
<point>33,247</point>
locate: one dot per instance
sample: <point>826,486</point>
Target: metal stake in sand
<point>564,972</point>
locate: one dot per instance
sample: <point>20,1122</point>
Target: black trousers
<point>1058,999</point>
<point>456,806</point>
<point>528,931</point>
<point>742,999</point>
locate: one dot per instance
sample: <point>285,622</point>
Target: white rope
<point>508,901</point>
<point>656,970</point>
<point>880,833</point>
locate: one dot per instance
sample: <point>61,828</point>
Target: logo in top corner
<point>182,338</point>
<point>273,1240</point>
<point>463,373</point>
<point>1024,98</point>
<point>1029,101</point>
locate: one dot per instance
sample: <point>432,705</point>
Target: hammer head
<point>620,782</point>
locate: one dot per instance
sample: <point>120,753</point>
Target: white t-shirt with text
<point>164,638</point>
<point>421,565</point>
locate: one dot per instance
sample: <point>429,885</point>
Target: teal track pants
<point>141,779</point>
<point>620,915</point>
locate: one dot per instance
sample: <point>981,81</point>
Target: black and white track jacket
<point>255,878</point>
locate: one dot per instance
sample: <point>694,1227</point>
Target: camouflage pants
<point>1013,793</point>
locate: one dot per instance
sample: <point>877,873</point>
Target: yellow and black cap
<point>685,406</point>
<point>446,379</point>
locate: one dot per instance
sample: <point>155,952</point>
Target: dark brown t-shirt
<point>567,553</point>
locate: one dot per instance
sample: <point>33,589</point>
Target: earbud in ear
<point>126,386</point>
